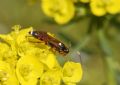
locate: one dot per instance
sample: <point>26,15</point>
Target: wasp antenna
<point>68,58</point>
<point>69,45</point>
<point>79,54</point>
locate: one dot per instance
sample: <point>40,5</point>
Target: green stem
<point>87,38</point>
<point>107,59</point>
<point>83,43</point>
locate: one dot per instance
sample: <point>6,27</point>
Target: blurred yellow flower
<point>72,72</point>
<point>97,7</point>
<point>61,10</point>
<point>113,6</point>
<point>7,75</point>
<point>101,7</point>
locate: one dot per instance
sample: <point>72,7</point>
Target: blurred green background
<point>100,49</point>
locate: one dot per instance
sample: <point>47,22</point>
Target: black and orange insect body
<point>50,41</point>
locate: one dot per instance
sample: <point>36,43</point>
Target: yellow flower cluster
<point>24,62</point>
<point>102,7</point>
<point>62,11</point>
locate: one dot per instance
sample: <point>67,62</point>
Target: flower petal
<point>72,72</point>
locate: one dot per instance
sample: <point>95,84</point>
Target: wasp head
<point>63,49</point>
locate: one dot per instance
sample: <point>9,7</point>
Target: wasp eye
<point>60,44</point>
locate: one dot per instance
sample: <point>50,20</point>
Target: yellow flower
<point>113,6</point>
<point>101,7</point>
<point>33,63</point>
<point>4,48</point>
<point>17,36</point>
<point>21,35</point>
<point>7,55</point>
<point>61,10</point>
<point>51,77</point>
<point>97,7</point>
<point>50,60</point>
<point>8,39</point>
<point>13,40</point>
<point>72,72</point>
<point>7,75</point>
<point>41,51</point>
<point>28,70</point>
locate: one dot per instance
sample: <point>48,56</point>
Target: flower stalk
<point>108,59</point>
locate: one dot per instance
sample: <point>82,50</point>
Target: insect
<point>50,41</point>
